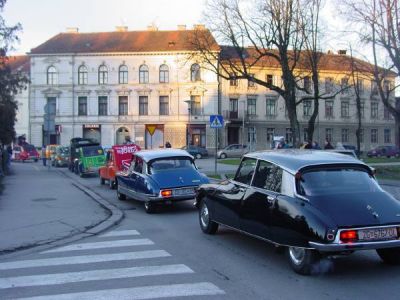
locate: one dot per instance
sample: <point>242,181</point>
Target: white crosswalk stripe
<point>99,245</point>
<point>84,259</point>
<point>28,276</point>
<point>138,293</point>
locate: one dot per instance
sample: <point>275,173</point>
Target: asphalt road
<point>174,258</point>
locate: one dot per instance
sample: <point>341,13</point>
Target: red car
<point>25,152</point>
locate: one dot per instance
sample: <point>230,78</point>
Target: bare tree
<point>381,30</point>
<point>258,34</point>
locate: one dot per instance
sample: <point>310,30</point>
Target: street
<point>166,255</point>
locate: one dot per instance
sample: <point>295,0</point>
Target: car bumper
<point>354,246</point>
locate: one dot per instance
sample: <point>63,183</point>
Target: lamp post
<point>189,103</point>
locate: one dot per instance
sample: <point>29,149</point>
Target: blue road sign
<point>216,121</point>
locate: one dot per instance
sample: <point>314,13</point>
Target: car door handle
<point>270,199</point>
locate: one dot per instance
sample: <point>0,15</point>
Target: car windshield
<point>168,164</point>
<point>63,150</point>
<point>92,151</point>
<point>29,148</point>
<point>336,181</point>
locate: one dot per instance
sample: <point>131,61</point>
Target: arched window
<point>52,76</point>
<point>123,74</point>
<point>144,74</point>
<point>103,74</point>
<point>195,73</point>
<point>82,75</point>
<point>164,74</point>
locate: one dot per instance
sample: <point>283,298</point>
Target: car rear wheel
<point>198,156</point>
<point>390,256</point>
<point>207,225</point>
<point>150,207</point>
<point>102,181</point>
<point>111,184</point>
<point>302,260</point>
<point>223,155</point>
<point>121,196</point>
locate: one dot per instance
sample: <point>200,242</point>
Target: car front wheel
<point>390,256</point>
<point>150,207</point>
<point>102,181</point>
<point>302,260</point>
<point>198,156</point>
<point>223,155</point>
<point>111,184</point>
<point>207,225</point>
<point>120,196</point>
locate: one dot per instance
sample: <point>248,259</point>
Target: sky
<point>42,19</point>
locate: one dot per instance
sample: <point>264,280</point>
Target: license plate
<point>182,192</point>
<point>377,234</point>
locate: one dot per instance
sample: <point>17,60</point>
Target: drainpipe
<point>73,95</point>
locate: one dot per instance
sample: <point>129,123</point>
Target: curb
<point>114,218</point>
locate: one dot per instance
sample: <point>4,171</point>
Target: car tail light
<point>348,236</point>
<point>166,193</point>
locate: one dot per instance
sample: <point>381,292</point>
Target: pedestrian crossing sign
<point>216,121</point>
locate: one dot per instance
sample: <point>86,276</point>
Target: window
<point>305,134</point>
<point>362,109</point>
<point>233,105</point>
<point>289,135</point>
<point>360,86</point>
<point>344,85</point>
<point>103,74</point>
<point>269,79</point>
<point>374,110</point>
<point>245,171</point>
<point>82,106</point>
<point>195,73</point>
<point>271,107</point>
<point>345,135</point>
<point>143,74</point>
<point>103,105</point>
<point>374,87</point>
<point>387,87</point>
<point>123,105</point>
<point>307,83</point>
<point>164,74</point>
<point>82,75</point>
<point>361,135</point>
<point>251,107</point>
<point>344,109</point>
<point>386,113</point>
<point>270,134</point>
<point>386,136</point>
<point>251,135</point>
<point>374,135</point>
<point>143,105</point>
<point>164,105</point>
<point>307,108</point>
<point>123,74</point>
<point>232,80</point>
<point>328,85</point>
<point>52,77</point>
<point>250,81</point>
<point>195,105</point>
<point>328,109</point>
<point>328,134</point>
<point>268,176</point>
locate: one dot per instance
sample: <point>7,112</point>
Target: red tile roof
<point>19,63</point>
<point>128,41</point>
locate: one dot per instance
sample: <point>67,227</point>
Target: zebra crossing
<point>116,265</point>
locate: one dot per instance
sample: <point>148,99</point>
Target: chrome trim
<point>355,246</point>
<point>337,239</point>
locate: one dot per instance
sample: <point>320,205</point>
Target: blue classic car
<point>160,177</point>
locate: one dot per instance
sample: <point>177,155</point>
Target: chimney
<point>72,30</point>
<point>181,27</point>
<point>121,28</point>
<point>199,27</point>
<point>152,28</point>
<point>342,52</point>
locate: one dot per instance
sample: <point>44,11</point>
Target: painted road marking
<point>120,233</point>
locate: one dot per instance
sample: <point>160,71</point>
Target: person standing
<point>44,158</point>
<point>328,145</point>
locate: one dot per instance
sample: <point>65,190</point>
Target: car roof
<point>148,155</point>
<point>292,160</point>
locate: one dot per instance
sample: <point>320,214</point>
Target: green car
<point>90,159</point>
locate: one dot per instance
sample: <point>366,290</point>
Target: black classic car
<point>159,177</point>
<point>313,203</point>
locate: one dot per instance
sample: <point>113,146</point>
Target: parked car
<point>89,160</point>
<point>74,153</point>
<point>25,152</point>
<point>233,150</point>
<point>196,151</point>
<point>159,177</point>
<point>316,204</point>
<point>349,152</point>
<point>51,151</point>
<point>118,158</point>
<point>61,156</point>
<point>388,151</point>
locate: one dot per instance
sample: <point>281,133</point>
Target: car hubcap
<point>204,216</point>
<point>147,205</point>
<point>297,255</point>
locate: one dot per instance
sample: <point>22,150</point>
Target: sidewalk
<point>38,206</point>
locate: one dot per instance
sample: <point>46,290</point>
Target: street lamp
<point>189,103</point>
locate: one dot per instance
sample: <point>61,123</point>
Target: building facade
<point>147,86</point>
